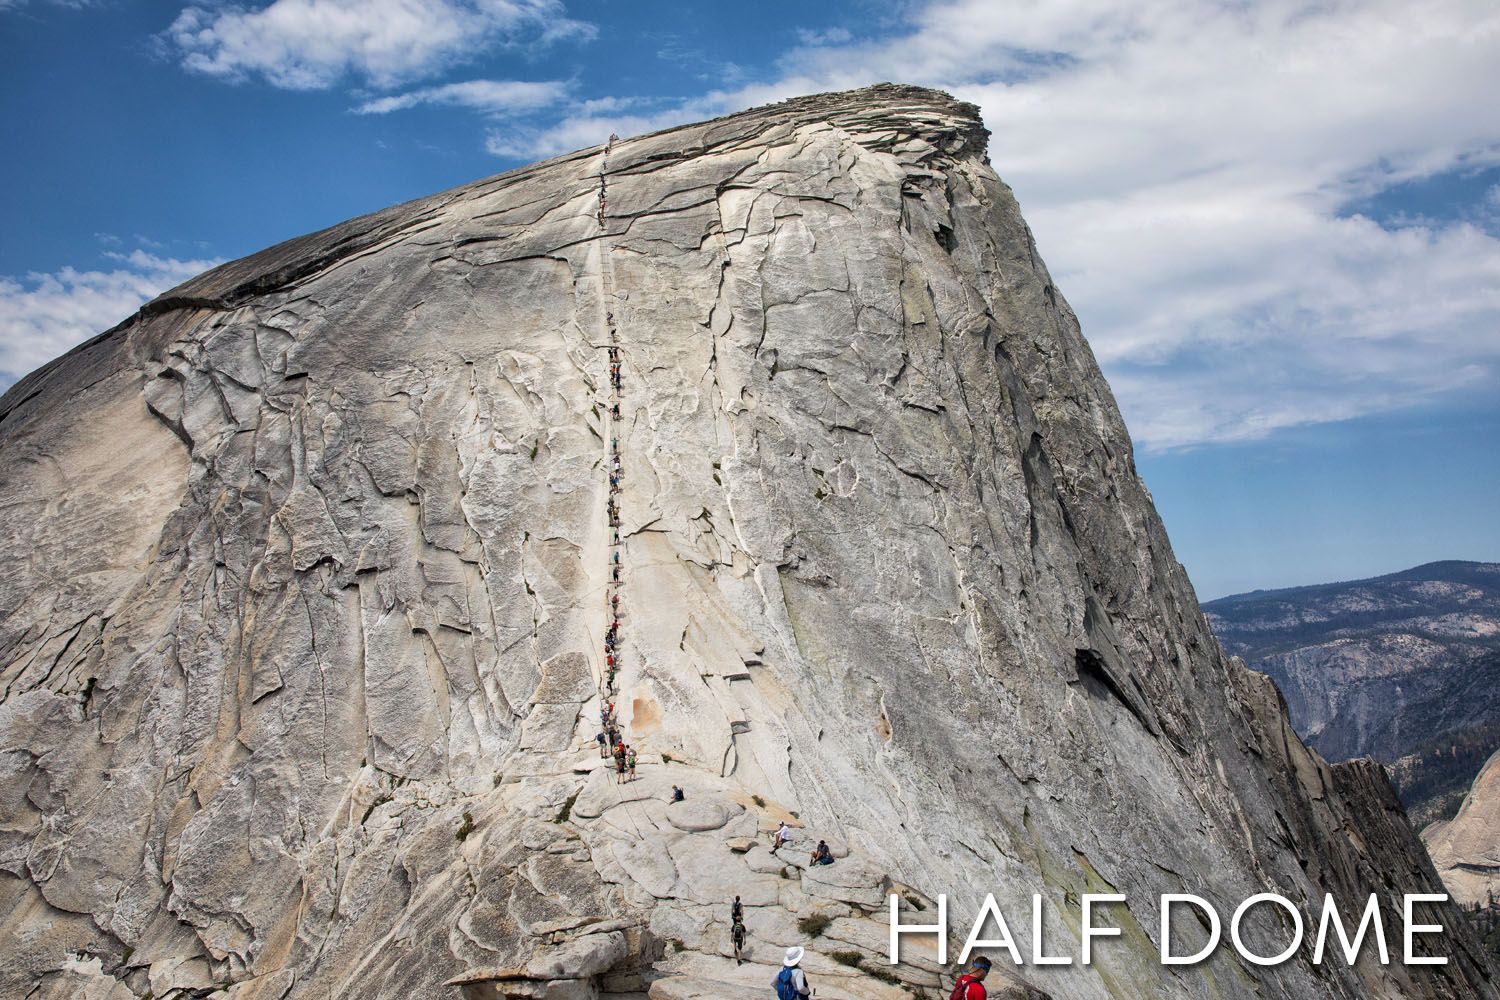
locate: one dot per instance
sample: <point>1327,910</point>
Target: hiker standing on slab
<point>791,982</point>
<point>737,935</point>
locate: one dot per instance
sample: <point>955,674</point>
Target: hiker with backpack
<point>791,982</point>
<point>821,855</point>
<point>737,935</point>
<point>970,985</point>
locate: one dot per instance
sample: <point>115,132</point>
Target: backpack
<point>784,988</point>
<point>961,988</point>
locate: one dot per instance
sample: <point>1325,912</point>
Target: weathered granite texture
<point>1466,848</point>
<point>306,562</point>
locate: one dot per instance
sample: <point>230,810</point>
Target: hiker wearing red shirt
<point>970,985</point>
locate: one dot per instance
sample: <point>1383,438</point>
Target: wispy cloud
<point>589,124</point>
<point>43,315</point>
<point>828,36</point>
<point>492,97</point>
<point>312,44</point>
<point>1188,167</point>
<point>6,5</point>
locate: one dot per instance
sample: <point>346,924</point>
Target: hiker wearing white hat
<point>791,982</point>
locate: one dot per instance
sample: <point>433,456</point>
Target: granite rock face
<point>1466,849</point>
<point>300,634</point>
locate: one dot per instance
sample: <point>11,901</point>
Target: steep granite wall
<point>301,634</point>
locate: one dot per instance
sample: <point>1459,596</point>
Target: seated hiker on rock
<point>791,982</point>
<point>677,795</point>
<point>821,855</point>
<point>970,985</point>
<point>782,837</point>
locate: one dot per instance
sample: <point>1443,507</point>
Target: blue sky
<point>1279,222</point>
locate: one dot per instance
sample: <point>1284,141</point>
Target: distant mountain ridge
<point>1449,599</point>
<point>1450,570</point>
<point>1402,667</point>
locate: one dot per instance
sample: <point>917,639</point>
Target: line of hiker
<point>603,186</point>
<point>791,982</point>
<point>611,738</point>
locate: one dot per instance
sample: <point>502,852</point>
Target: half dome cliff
<point>309,611</point>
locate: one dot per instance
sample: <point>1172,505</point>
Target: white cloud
<point>43,315</point>
<point>493,97</point>
<point>590,125</point>
<point>311,44</point>
<point>1185,165</point>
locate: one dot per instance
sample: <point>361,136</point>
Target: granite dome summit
<point>310,566</point>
